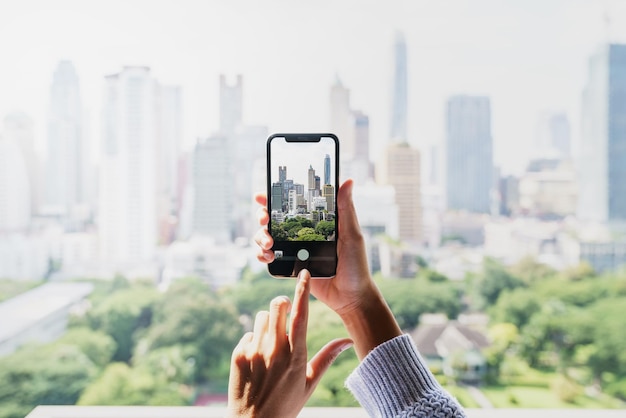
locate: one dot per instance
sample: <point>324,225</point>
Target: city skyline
<point>441,64</point>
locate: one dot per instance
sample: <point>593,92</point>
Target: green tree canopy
<point>53,374</point>
<point>190,315</point>
<point>121,385</point>
<point>122,314</point>
<point>493,280</point>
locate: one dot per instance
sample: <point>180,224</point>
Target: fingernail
<point>267,256</point>
<point>346,346</point>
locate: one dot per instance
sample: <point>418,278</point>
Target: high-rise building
<point>231,104</point>
<point>327,169</point>
<point>352,128</point>
<point>311,178</point>
<point>168,150</point>
<point>341,119</point>
<point>552,136</point>
<point>213,189</point>
<point>127,201</point>
<point>602,180</point>
<point>360,168</point>
<point>362,136</point>
<point>469,154</point>
<point>15,211</point>
<point>400,168</point>
<point>67,158</point>
<point>399,104</point>
<point>328,192</point>
<point>19,128</point>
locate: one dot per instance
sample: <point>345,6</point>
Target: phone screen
<point>302,203</point>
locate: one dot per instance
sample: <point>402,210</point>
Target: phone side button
<point>303,254</point>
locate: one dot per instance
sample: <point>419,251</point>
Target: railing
<point>216,412</point>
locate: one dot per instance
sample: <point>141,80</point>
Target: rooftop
<point>30,307</point>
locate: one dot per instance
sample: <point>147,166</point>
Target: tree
<point>432,275</point>
<point>121,385</point>
<point>279,233</point>
<point>97,346</point>
<point>552,335</point>
<point>515,306</point>
<point>249,298</point>
<point>325,228</point>
<point>609,337</point>
<point>122,315</point>
<point>529,270</point>
<point>190,315</point>
<point>409,299</point>
<point>493,281</point>
<point>325,325</point>
<point>53,374</point>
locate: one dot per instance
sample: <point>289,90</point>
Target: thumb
<point>321,361</point>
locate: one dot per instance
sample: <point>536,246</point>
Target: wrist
<point>369,322</point>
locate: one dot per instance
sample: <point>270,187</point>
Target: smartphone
<point>302,182</point>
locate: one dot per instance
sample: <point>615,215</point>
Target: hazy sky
<point>528,56</point>
<point>299,156</point>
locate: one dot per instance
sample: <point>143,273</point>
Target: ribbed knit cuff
<point>391,378</point>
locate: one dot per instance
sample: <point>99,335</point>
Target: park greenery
<point>557,338</point>
<point>299,228</point>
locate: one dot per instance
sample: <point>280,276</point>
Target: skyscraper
<point>400,90</point>
<point>168,149</point>
<point>341,119</point>
<point>327,169</point>
<point>552,136</point>
<point>469,153</point>
<point>19,128</point>
<point>400,168</point>
<point>602,195</point>
<point>213,189</point>
<point>14,188</point>
<point>231,105</point>
<point>66,147</point>
<point>127,202</point>
<point>311,178</point>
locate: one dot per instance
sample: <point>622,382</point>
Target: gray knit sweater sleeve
<point>394,381</point>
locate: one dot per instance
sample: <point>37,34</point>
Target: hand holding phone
<point>302,183</point>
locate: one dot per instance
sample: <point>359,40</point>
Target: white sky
<point>299,156</point>
<point>527,55</point>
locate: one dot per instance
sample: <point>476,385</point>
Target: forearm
<point>370,322</point>
<point>394,381</point>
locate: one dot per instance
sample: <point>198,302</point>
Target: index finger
<point>300,316</point>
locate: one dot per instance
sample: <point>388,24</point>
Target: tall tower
<point>66,152</point>
<point>400,90</point>
<point>327,169</point>
<point>14,188</point>
<point>213,189</point>
<point>469,154</point>
<point>553,136</point>
<point>602,195</point>
<point>168,151</point>
<point>400,168</point>
<point>127,202</point>
<point>231,105</point>
<point>19,128</point>
<point>341,119</point>
<point>311,178</point>
<point>361,168</point>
